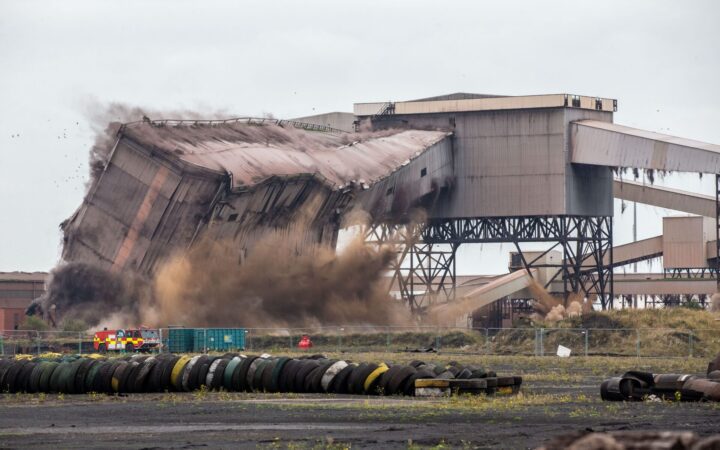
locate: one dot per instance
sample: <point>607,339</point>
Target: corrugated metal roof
<point>664,197</point>
<point>253,153</point>
<point>23,276</point>
<point>609,144</point>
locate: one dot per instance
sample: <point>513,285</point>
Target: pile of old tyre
<point>240,373</point>
<point>640,386</point>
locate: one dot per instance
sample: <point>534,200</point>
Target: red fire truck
<point>129,340</point>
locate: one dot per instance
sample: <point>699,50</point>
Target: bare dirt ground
<point>557,397</point>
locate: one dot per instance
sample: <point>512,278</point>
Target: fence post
<point>37,333</point>
<point>79,343</point>
<point>437,339</point>
<point>690,339</point>
<point>587,339</point>
<point>637,342</point>
<point>387,341</point>
<point>487,341</point>
<point>339,339</point>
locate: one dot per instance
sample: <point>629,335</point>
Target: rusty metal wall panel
<point>498,103</point>
<point>588,188</point>
<point>424,175</point>
<point>508,163</point>
<point>368,109</point>
<point>338,120</point>
<point>605,144</point>
<point>684,241</point>
<point>675,199</point>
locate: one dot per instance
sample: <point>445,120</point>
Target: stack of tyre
<point>639,386</point>
<point>240,373</point>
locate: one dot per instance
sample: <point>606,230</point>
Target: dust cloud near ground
<point>282,283</point>
<point>276,286</point>
<point>550,308</point>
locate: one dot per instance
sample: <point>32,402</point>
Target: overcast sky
<point>61,61</point>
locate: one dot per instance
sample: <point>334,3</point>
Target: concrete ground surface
<point>554,400</point>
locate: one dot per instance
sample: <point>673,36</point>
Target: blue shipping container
<point>219,339</point>
<point>181,340</point>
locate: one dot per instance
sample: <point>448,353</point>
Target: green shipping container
<point>219,339</point>
<point>181,340</point>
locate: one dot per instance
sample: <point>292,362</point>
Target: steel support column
<point>423,273</point>
<point>586,243</point>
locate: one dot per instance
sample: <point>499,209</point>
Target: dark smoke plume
<point>85,292</point>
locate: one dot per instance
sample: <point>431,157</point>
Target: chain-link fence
<point>641,342</point>
<point>14,342</point>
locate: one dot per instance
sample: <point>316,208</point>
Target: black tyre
<point>464,374</point>
<point>129,348</point>
<point>359,381</point>
<point>386,377</point>
<point>81,374</point>
<point>23,382</point>
<point>11,377</point>
<point>201,379</point>
<point>354,378</point>
<point>250,374</point>
<point>47,371</point>
<point>117,376</point>
<point>102,348</point>
<point>396,383</point>
<point>216,379</point>
<point>189,373</point>
<point>610,390</point>
<point>34,382</point>
<point>4,367</point>
<point>229,371</point>
<point>308,365</point>
<point>339,383</point>
<point>257,382</point>
<point>288,372</point>
<point>91,374</point>
<point>142,374</point>
<point>127,383</point>
<point>239,377</point>
<point>409,386</point>
<point>165,376</point>
<point>276,373</point>
<point>267,374</point>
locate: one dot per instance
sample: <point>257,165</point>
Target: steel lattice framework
<point>586,243</point>
<point>424,273</point>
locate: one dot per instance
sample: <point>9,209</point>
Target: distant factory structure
<point>483,168</point>
<point>17,291</point>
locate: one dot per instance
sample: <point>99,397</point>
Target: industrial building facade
<point>483,169</point>
<point>17,291</point>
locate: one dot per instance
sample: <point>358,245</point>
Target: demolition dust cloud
<point>276,286</point>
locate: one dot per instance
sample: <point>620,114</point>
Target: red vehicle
<point>305,342</point>
<point>129,340</point>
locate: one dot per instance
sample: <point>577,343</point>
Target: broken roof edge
<point>445,135</point>
<point>244,120</point>
<point>185,167</point>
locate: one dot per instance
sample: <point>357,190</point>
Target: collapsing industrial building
<point>168,185</point>
<point>483,169</point>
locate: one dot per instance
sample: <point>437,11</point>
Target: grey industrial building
<point>484,168</point>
